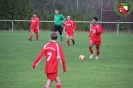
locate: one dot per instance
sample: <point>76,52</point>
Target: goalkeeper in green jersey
<point>58,20</point>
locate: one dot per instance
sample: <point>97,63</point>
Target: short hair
<point>95,18</point>
<point>54,36</point>
<point>56,9</point>
<point>34,13</point>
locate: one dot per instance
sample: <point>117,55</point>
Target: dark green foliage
<point>79,10</point>
<point>15,10</point>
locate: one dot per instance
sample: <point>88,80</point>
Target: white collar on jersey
<point>52,40</point>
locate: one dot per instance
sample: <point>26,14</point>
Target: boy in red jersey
<point>95,37</point>
<point>53,52</point>
<point>34,26</point>
<point>69,28</point>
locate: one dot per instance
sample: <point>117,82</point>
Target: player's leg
<point>71,37</point>
<point>91,43</point>
<point>97,49</point>
<point>67,38</point>
<point>37,36</point>
<point>55,28</point>
<point>58,85</point>
<point>48,84</point>
<point>31,34</point>
<point>51,77</point>
<point>60,32</point>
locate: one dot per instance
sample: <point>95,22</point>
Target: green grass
<point>113,69</point>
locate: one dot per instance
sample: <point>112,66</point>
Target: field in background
<point>114,68</point>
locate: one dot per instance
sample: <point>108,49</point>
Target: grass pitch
<point>113,69</point>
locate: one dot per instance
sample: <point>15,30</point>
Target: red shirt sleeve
<point>74,26</point>
<point>31,22</point>
<point>38,58</point>
<point>62,59</point>
<point>38,22</point>
<point>99,29</point>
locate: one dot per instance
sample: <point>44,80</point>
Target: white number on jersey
<point>49,56</point>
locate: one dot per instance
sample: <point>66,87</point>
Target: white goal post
<point>89,22</point>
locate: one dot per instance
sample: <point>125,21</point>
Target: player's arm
<point>74,26</point>
<point>63,18</point>
<point>30,24</point>
<point>38,23</point>
<point>64,27</point>
<point>38,58</point>
<point>89,35</point>
<point>62,59</point>
<point>99,29</point>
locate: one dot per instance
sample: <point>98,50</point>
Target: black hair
<point>54,36</point>
<point>96,19</point>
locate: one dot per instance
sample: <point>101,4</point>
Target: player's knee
<point>67,40</point>
<point>97,48</point>
<point>90,47</point>
<point>60,32</point>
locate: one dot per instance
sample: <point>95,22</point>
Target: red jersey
<point>52,52</point>
<point>70,26</point>
<point>34,22</point>
<point>95,32</point>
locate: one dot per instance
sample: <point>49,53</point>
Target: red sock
<point>91,51</point>
<point>37,37</point>
<point>68,43</point>
<point>58,85</point>
<point>98,51</point>
<point>31,36</point>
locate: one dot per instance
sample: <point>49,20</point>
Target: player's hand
<point>64,31</point>
<point>63,71</point>
<point>73,30</point>
<point>37,27</point>
<point>33,66</point>
<point>94,31</point>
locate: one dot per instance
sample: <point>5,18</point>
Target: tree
<point>15,10</point>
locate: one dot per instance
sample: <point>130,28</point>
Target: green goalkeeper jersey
<point>58,19</point>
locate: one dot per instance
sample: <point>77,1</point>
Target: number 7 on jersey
<point>49,56</point>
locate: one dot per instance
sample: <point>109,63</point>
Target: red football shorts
<point>69,33</point>
<point>97,43</point>
<point>51,76</point>
<point>34,29</point>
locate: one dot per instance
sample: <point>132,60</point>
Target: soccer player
<point>34,26</point>
<point>95,39</point>
<point>58,18</point>
<point>53,52</point>
<point>69,28</point>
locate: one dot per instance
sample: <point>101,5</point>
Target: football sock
<point>98,51</point>
<point>46,86</point>
<point>91,51</point>
<point>73,41</point>
<point>31,36</point>
<point>61,37</point>
<point>36,36</point>
<point>68,43</point>
<point>58,85</point>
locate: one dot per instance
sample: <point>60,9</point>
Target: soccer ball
<point>81,57</point>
